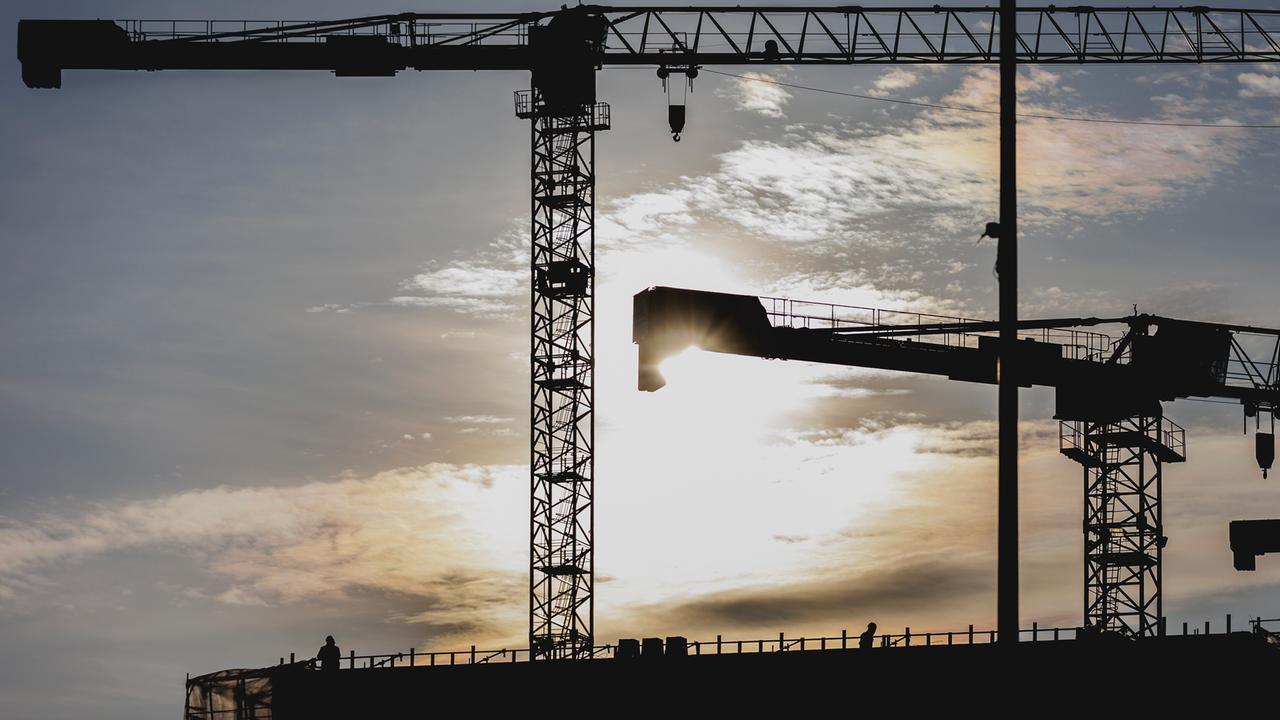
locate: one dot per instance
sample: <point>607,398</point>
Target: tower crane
<point>562,50</point>
<point>1108,401</point>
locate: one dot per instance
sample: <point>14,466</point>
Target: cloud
<point>332,308</point>
<point>1254,85</point>
<point>878,213</point>
<point>756,92</point>
<point>493,281</point>
<point>916,584</point>
<point>895,79</point>
<point>476,420</point>
<point>824,183</point>
<point>411,531</point>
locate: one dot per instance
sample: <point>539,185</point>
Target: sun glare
<point>716,480</point>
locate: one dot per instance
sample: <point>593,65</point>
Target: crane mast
<point>562,50</point>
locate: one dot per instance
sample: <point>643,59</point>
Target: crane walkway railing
<point>785,312</point>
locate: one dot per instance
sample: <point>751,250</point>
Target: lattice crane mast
<point>562,50</point>
<point>1109,397</point>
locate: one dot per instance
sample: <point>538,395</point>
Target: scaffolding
<point>232,695</point>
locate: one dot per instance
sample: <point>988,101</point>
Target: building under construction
<point>939,671</point>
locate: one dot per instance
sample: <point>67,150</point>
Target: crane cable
<point>961,108</point>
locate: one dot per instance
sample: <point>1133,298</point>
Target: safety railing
<point>846,641</point>
<point>1071,437</point>
<point>785,312</point>
<point>783,643</point>
<point>1075,443</point>
<point>1173,436</point>
<point>397,31</point>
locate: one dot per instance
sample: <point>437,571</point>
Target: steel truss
<point>561,578</point>
<point>1123,527</point>
<point>782,35</point>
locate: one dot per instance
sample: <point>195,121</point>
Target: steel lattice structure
<point>1124,536</point>
<point>562,367</point>
<point>752,34</point>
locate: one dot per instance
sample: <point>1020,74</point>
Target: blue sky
<point>264,377</point>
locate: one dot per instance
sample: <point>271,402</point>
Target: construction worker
<point>329,655</point>
<point>868,637</point>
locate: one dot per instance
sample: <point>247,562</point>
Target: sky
<point>265,368</point>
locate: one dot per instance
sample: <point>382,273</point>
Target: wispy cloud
<point>893,206</point>
<point>756,92</point>
<point>894,80</point>
<point>411,531</point>
<point>1253,85</point>
<point>491,282</point>
<point>476,420</point>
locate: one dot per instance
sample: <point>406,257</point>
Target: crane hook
<point>676,107</point>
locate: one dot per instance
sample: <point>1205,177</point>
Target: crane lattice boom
<point>695,35</point>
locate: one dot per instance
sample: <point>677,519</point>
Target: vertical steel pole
<point>1007,269</point>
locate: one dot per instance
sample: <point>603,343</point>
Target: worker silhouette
<point>868,637</point>
<point>329,655</point>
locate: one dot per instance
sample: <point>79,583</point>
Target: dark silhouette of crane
<point>1109,397</point>
<point>562,50</point>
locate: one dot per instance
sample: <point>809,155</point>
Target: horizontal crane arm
<point>694,35</point>
<point>1181,359</point>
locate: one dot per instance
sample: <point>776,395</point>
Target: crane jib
<point>696,35</point>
